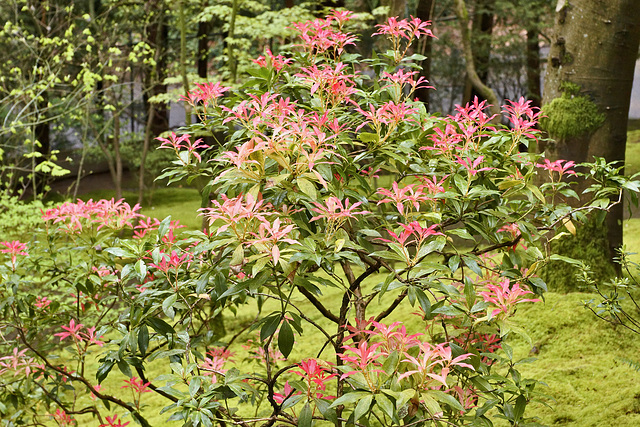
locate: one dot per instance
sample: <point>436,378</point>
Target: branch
<point>317,304</point>
<point>84,381</point>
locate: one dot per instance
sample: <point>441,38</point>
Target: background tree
<point>588,87</point>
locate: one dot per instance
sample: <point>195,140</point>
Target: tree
<point>473,77</point>
<point>588,86</point>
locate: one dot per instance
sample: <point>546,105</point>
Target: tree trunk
<point>533,68</point>
<point>482,29</point>
<point>594,52</point>
<point>157,37</point>
<point>396,7</point>
<point>485,91</point>
<point>117,181</point>
<point>203,48</point>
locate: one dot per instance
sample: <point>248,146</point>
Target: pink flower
<point>91,336</point>
<point>114,422</point>
<point>401,78</point>
<point>270,234</point>
<point>413,229</point>
<point>364,357</point>
<point>42,302</point>
<point>97,389</point>
<point>18,362</point>
<point>504,296</point>
<point>234,211</point>
<point>334,210</point>
<point>522,117</point>
<point>319,37</point>
<point>445,141</point>
<point>106,213</point>
<point>178,143</point>
<point>473,114</point>
<point>277,62</point>
<point>71,331</point>
<point>340,16</point>
<point>315,374</point>
<point>14,248</point>
<point>206,93</point>
<point>333,83</point>
<point>560,166</point>
<point>288,391</point>
<point>136,385</point>
<point>63,419</point>
<point>472,165</point>
<point>74,331</point>
<point>172,261</point>
<point>429,361</point>
<point>212,367</point>
<point>400,196</point>
<point>415,28</point>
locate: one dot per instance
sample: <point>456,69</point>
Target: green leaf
<point>167,305</point>
<point>160,326</point>
<point>164,226</point>
<point>326,410</point>
<point>305,418</point>
<point>362,407</point>
<point>425,304</point>
<point>432,405</point>
<point>521,404</point>
<point>119,252</point>
<point>472,264</point>
<point>194,386</point>
<point>238,256</point>
<point>536,192</point>
<point>270,326</point>
<point>385,404</point>
<point>143,339</point>
<point>447,399</point>
<point>347,398</point>
<point>308,188</point>
<point>104,370</point>
<point>124,368</point>
<point>367,137</point>
<point>285,339</point>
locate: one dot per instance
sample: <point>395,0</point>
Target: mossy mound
<point>570,115</point>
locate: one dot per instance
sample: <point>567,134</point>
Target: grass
<point>180,203</point>
<point>579,358</point>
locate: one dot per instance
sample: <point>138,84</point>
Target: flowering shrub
<point>337,206</point>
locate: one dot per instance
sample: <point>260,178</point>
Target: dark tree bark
<point>533,68</point>
<point>595,47</point>
<point>203,48</point>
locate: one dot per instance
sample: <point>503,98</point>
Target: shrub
<point>331,181</point>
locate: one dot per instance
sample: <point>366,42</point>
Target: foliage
<point>18,218</point>
<point>330,177</point>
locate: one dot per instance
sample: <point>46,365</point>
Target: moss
<point>589,245</point>
<point>571,114</point>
